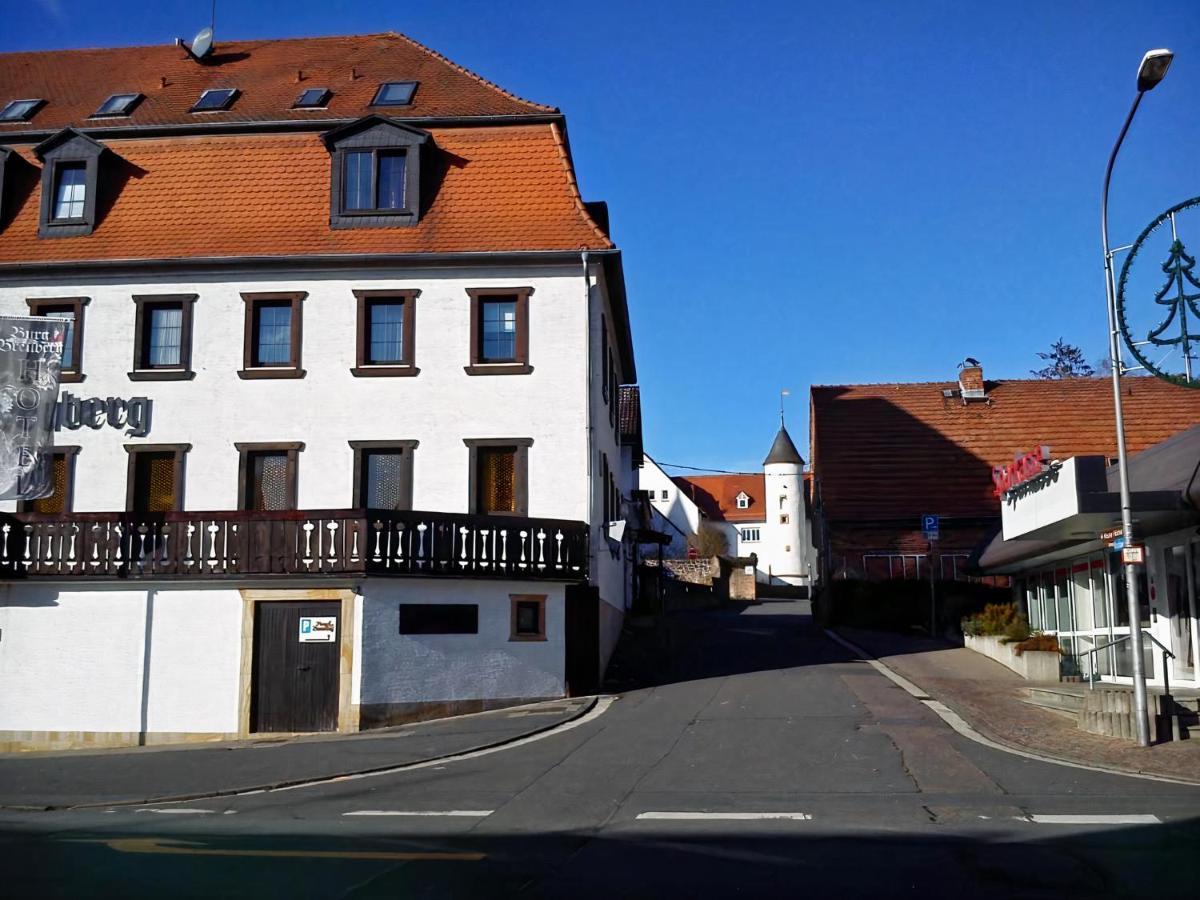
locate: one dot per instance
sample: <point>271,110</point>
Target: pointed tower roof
<point>783,450</point>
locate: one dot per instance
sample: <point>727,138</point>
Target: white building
<point>339,430</point>
<point>762,515</point>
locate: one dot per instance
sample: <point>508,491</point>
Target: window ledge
<point>162,375</point>
<point>384,371</point>
<point>269,372</point>
<point>498,369</point>
<point>527,638</point>
<point>70,377</point>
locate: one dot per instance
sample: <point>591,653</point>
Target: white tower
<point>785,534</point>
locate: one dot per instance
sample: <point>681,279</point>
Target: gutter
<point>587,404</point>
<point>272,126</point>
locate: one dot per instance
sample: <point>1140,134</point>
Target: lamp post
<point>1152,70</point>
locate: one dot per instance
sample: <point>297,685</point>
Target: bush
<point>1038,641</point>
<point>995,619</point>
<point>1016,630</point>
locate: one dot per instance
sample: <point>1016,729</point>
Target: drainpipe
<point>587,394</point>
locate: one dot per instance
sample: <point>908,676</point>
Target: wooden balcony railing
<point>213,545</point>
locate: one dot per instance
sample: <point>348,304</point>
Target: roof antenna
<point>784,393</point>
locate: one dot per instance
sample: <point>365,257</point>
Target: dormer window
<point>313,98</point>
<point>117,105</point>
<point>70,192</point>
<point>70,180</point>
<point>20,110</point>
<point>373,180</point>
<point>395,93</point>
<point>375,173</point>
<point>742,500</point>
<point>215,100</point>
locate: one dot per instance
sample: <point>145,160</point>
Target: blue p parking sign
<point>930,525</point>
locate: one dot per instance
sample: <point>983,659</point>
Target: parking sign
<point>930,525</point>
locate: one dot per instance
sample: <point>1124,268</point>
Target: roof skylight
<point>118,105</point>
<point>312,98</point>
<point>395,93</point>
<point>215,99</point>
<point>19,110</point>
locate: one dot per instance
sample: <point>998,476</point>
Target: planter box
<point>1032,665</point>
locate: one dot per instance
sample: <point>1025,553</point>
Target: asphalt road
<point>771,763</point>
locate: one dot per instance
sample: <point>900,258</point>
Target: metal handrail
<point>1125,637</point>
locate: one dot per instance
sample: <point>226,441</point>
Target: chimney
<point>970,379</point>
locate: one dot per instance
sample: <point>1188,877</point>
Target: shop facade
<point>1061,546</point>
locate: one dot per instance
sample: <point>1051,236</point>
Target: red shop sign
<point>1025,467</point>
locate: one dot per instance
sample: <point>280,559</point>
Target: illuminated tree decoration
<point>1180,295</point>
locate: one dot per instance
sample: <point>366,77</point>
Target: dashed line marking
<point>183,811</point>
<point>723,816</point>
<point>1135,819</point>
<point>451,813</point>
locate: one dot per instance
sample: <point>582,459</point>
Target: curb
<point>963,727</point>
<point>300,782</point>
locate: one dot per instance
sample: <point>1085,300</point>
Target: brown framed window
<point>499,476</point>
<point>267,475</point>
<point>499,331</point>
<point>386,333</point>
<point>383,474</point>
<point>528,617</point>
<point>162,341</point>
<point>61,461</point>
<point>154,482</point>
<point>70,310</point>
<point>273,335</point>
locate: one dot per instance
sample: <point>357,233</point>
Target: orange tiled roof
<point>270,75</point>
<point>505,188</point>
<point>716,495</point>
<point>885,451</point>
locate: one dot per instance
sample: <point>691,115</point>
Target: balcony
<point>338,542</point>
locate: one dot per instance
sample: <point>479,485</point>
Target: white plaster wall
<point>439,407</point>
<point>74,660</point>
<point>400,668</point>
<point>745,548</point>
<point>784,545</point>
<point>682,516</point>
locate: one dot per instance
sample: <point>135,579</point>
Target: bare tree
<point>1065,361</point>
<point>709,541</point>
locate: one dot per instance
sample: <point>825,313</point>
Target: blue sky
<point>806,192</point>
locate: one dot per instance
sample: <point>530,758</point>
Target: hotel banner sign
<point>30,357</point>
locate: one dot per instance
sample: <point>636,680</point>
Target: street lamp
<point>1152,70</point>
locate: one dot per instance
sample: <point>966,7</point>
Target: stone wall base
<point>15,741</point>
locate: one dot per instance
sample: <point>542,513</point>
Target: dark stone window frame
<point>376,134</point>
<point>360,448</point>
<point>520,473</point>
<point>518,366</point>
<point>515,601</point>
<point>293,368</point>
<point>70,452</point>
<point>407,367</point>
<point>142,370</point>
<point>246,450</point>
<point>41,305</point>
<point>68,147</point>
<point>438,618</point>
<point>180,452</point>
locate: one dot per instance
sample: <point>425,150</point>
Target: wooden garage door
<point>295,675</point>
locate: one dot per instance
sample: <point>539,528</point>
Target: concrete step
<point>1057,698</point>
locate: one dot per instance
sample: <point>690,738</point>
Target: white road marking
<point>879,667</point>
<point>180,811</point>
<point>723,816</point>
<point>1136,819</point>
<point>460,813</point>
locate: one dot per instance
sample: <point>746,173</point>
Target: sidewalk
<point>88,778</point>
<point>990,698</point>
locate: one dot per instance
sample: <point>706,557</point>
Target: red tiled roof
<point>270,75</point>
<point>505,188</point>
<point>895,451</point>
<point>716,495</point>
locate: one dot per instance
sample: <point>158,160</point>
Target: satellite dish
<point>202,43</point>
